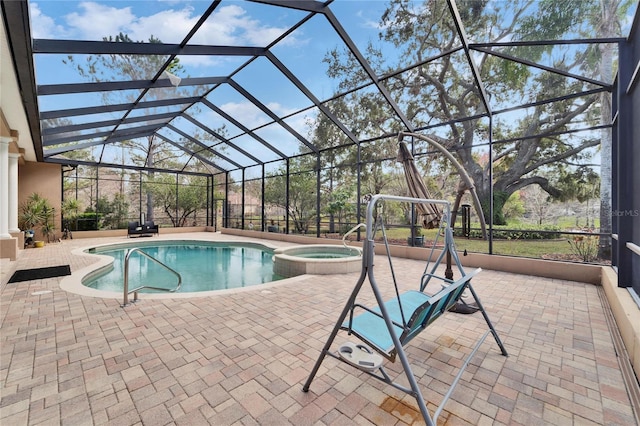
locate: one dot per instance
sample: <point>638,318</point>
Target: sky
<point>168,20</point>
<point>234,23</point>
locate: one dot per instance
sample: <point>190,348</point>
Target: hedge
<point>528,232</point>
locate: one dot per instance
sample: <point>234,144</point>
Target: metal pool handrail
<point>349,232</point>
<point>125,301</point>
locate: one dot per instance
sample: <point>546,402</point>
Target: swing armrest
<point>375,312</point>
<point>428,276</point>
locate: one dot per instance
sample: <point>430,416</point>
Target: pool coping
<point>73,283</point>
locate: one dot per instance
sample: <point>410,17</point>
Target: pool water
<point>203,266</point>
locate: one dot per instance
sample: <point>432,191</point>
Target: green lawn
<point>559,249</point>
<point>526,248</point>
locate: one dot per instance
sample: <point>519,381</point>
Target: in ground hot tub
<point>319,259</point>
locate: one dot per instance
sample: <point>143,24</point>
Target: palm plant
<point>70,208</point>
<point>37,212</point>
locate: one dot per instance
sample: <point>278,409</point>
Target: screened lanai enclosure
<point>282,116</point>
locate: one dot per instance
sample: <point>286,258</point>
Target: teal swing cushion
<point>419,310</point>
<point>372,328</point>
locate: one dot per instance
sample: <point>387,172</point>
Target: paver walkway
<point>242,358</point>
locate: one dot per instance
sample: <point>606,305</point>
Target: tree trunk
<point>150,164</point>
<point>608,9</point>
<point>483,189</point>
<point>332,219</point>
<point>499,200</point>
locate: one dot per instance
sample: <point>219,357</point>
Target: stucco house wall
<point>46,180</point>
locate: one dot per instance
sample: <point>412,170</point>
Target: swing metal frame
<point>399,322</point>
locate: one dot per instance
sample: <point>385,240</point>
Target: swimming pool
<point>204,266</point>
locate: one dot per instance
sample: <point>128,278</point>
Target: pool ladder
<point>351,231</point>
<point>127,292</point>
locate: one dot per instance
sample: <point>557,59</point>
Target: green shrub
<point>516,232</point>
<point>87,221</point>
<point>585,247</point>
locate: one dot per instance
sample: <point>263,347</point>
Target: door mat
<point>39,273</point>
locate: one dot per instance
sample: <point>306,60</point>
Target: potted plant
<point>37,213</point>
<point>416,239</point>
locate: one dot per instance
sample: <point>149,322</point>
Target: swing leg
<point>484,313</point>
<point>488,321</point>
<point>334,333</point>
<point>414,385</point>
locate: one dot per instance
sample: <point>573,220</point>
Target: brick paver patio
<point>241,358</point>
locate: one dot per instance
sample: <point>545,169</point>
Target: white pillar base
<point>4,187</point>
<point>13,193</point>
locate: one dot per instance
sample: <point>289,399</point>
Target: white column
<point>4,187</point>
<point>13,192</point>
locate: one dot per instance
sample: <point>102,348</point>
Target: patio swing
<point>385,329</point>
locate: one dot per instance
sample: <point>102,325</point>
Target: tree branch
<point>504,154</point>
<point>561,156</point>
<point>539,180</point>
